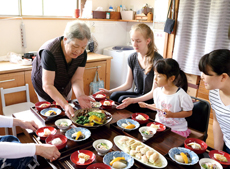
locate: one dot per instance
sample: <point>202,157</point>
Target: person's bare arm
<point>217,133</point>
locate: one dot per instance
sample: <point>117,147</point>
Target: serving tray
<point>135,133</point>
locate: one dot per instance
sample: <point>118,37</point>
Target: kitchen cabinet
<point>13,75</point>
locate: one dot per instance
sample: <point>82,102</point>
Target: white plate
<point>163,159</point>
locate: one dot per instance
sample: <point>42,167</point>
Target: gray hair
<point>77,29</point>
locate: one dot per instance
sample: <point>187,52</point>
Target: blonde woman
<point>140,71</point>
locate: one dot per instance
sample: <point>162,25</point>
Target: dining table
<point>161,141</point>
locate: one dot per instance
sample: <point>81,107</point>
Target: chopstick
<point>207,150</point>
<point>68,164</point>
<point>36,140</point>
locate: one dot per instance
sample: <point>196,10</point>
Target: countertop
<point>7,67</point>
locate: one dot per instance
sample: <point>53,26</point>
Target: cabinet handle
<point>96,67</point>
<point>7,80</point>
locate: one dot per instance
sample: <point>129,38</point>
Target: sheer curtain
<point>202,27</point>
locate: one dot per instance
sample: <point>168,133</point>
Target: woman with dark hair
<point>215,68</point>
<point>172,103</point>
<point>140,71</point>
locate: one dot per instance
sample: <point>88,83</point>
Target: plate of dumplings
<point>140,152</point>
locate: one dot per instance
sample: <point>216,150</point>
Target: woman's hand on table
<point>69,111</point>
<point>47,151</point>
<point>126,102</point>
<point>25,124</point>
<point>85,101</point>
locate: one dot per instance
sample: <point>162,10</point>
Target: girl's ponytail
<point>181,81</point>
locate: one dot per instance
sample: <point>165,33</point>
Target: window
<point>38,7</point>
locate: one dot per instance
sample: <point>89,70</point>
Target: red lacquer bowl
<point>99,98</point>
<point>74,158</point>
<point>104,106</point>
<point>62,137</point>
<point>162,127</point>
<point>40,132</point>
<point>38,104</point>
<point>224,164</point>
<point>98,166</point>
<point>134,115</point>
<point>198,141</point>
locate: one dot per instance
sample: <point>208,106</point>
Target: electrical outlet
<point>23,36</point>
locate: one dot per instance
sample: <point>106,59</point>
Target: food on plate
<point>96,104</point>
<point>133,146</point>
<point>89,117</point>
<point>147,132</point>
<point>138,156</point>
<point>209,165</point>
<point>140,117</point>
<point>132,152</point>
<point>128,125</point>
<point>139,147</point>
<point>63,124</point>
<point>46,132</point>
<point>144,150</point>
<point>106,103</point>
<point>149,153</point>
<point>144,159</point>
<point>155,126</point>
<point>183,158</point>
<point>102,146</point>
<point>123,140</point>
<point>118,162</point>
<point>194,145</point>
<point>154,159</point>
<point>127,149</point>
<point>99,96</point>
<point>50,113</point>
<point>44,105</point>
<point>220,157</point>
<point>56,141</point>
<point>78,135</point>
<point>130,142</point>
<point>83,158</point>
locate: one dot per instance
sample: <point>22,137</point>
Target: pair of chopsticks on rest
<point>39,142</point>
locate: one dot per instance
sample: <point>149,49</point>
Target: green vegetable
<point>100,115</point>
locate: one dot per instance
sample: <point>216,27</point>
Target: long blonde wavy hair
<point>146,31</point>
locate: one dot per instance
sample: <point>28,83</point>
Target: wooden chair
<point>198,122</point>
<point>9,110</point>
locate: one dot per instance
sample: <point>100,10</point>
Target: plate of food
<point>78,134</point>
<point>140,152</point>
<point>91,118</point>
<point>107,104</point>
<point>51,112</point>
<point>44,132</point>
<point>128,124</point>
<point>157,125</point>
<point>220,156</point>
<point>82,158</point>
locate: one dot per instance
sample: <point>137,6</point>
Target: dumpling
<point>130,142</point>
<point>127,149</point>
<point>123,140</point>
<point>149,153</point>
<point>144,150</point>
<point>119,164</point>
<point>144,159</point>
<point>138,156</point>
<point>133,146</point>
<point>153,158</point>
<point>132,152</point>
<point>138,148</point>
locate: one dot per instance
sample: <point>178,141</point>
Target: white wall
<point>39,31</point>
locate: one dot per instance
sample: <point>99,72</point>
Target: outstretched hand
<point>85,101</point>
<point>48,151</point>
<point>103,91</point>
<point>126,102</point>
<point>29,125</point>
<point>69,110</point>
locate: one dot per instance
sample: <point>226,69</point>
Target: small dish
<point>96,104</point>
<point>99,142</point>
<point>74,158</point>
<point>107,104</point>
<point>99,97</point>
<point>57,110</point>
<point>63,124</point>
<point>111,155</point>
<point>41,132</point>
<point>224,164</point>
<point>162,127</point>
<point>208,160</point>
<point>136,115</point>
<point>122,121</point>
<point>42,105</point>
<point>84,131</point>
<point>145,134</point>
<point>63,138</point>
<point>198,141</point>
<point>177,150</point>
<point>98,166</point>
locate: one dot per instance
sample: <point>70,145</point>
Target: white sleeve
<point>186,102</point>
<point>16,150</point>
<point>6,121</point>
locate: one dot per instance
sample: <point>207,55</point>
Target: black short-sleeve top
<point>143,82</point>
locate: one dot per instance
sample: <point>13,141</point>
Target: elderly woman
<point>59,66</point>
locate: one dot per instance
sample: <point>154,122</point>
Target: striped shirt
<point>222,114</point>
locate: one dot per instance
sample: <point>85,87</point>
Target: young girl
<point>215,68</point>
<point>172,103</point>
<point>140,71</point>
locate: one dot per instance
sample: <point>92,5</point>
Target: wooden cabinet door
<point>33,96</point>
